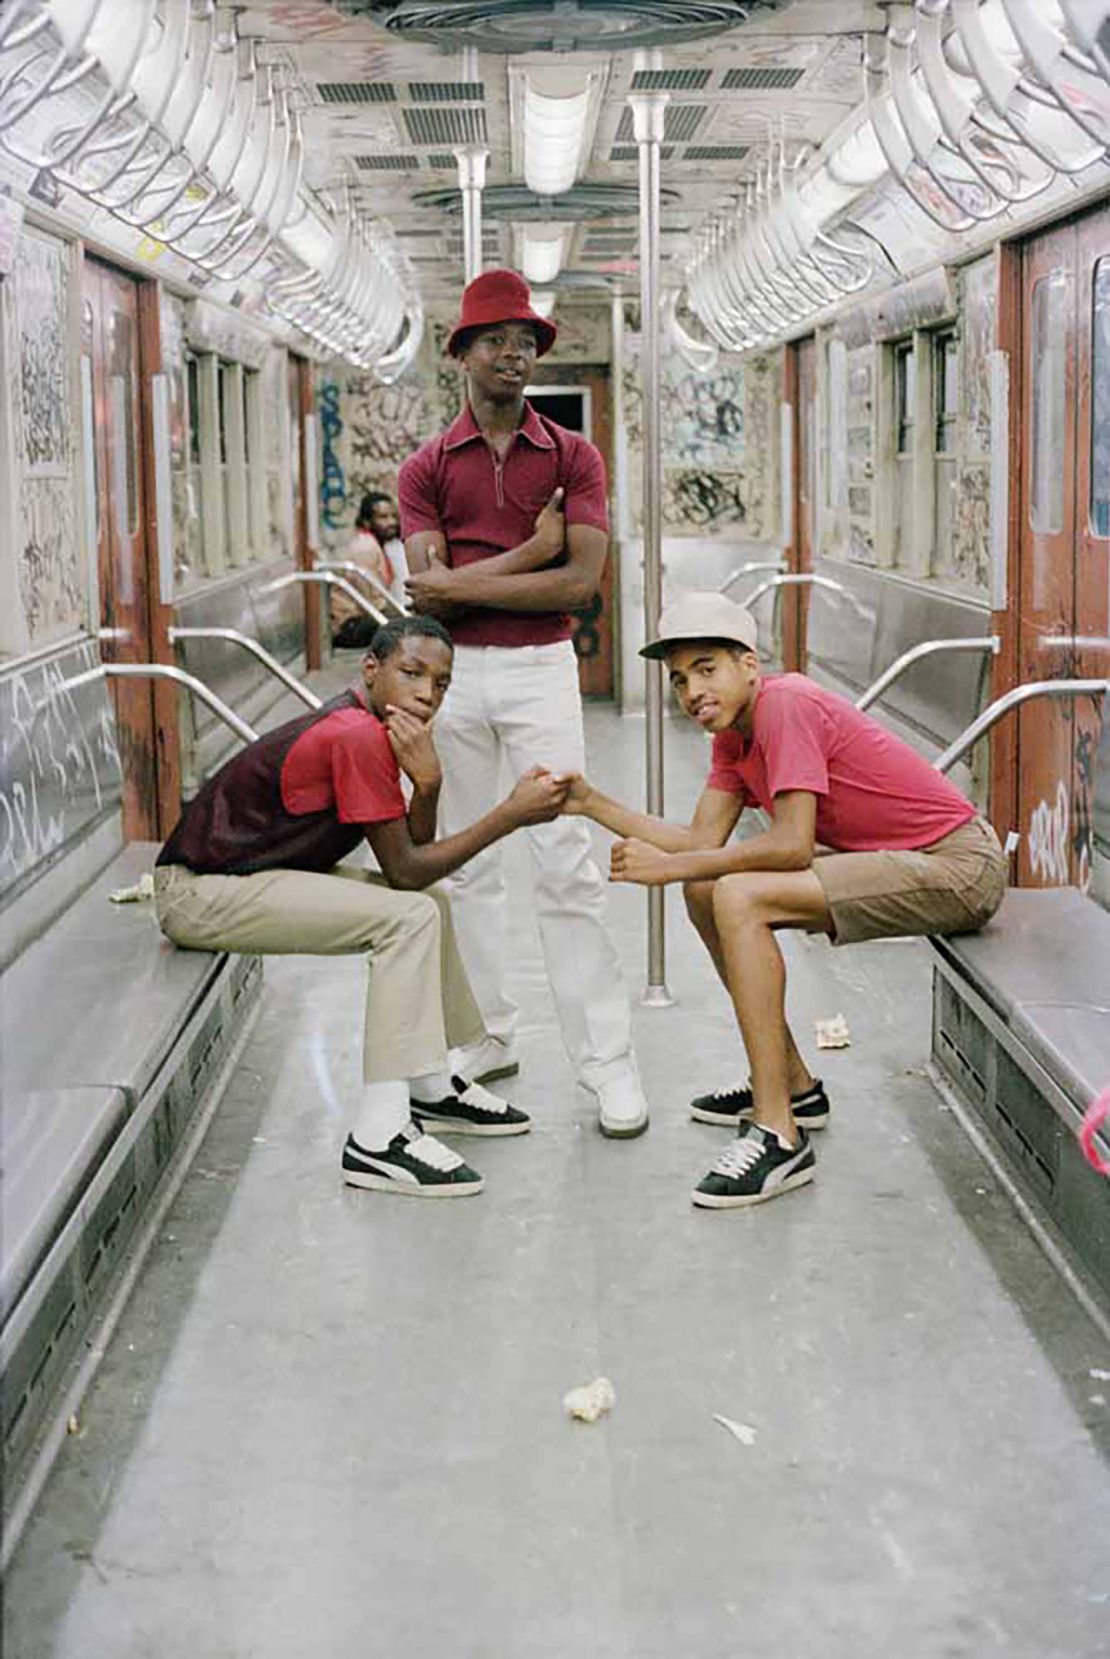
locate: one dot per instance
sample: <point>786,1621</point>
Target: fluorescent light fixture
<point>541,252</point>
<point>543,301</point>
<point>859,161</point>
<point>553,132</point>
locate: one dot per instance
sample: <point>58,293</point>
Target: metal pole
<point>647,118</point>
<point>620,440</point>
<point>927,648</point>
<point>1012,700</point>
<point>472,160</point>
<point>233,636</point>
<point>156,671</point>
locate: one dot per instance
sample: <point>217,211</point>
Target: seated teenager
<point>251,866</point>
<point>909,855</point>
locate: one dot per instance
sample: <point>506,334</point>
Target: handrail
<point>367,576</point>
<point>257,650</point>
<point>159,671</point>
<point>746,570</point>
<point>927,648</point>
<point>793,579</point>
<point>1009,700</point>
<point>326,579</point>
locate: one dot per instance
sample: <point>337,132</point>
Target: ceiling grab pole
<point>647,117</point>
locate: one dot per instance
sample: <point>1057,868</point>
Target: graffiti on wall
<point>333,479</point>
<point>703,418</point>
<point>979,296</point>
<point>703,500</point>
<point>1048,837</point>
<point>41,297</point>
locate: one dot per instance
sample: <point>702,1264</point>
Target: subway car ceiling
<point>308,163</point>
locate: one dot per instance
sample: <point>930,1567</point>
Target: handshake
<point>540,796</point>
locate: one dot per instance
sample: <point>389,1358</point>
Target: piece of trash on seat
<point>143,889</point>
<point>739,1431</point>
<point>833,1033</point>
<point>587,1403</point>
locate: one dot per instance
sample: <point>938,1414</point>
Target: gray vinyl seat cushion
<point>1043,965</point>
<point>94,1001</point>
<point>88,1014</point>
<point>51,1143</point>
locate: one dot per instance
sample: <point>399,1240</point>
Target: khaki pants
<point>418,1002</point>
<point>953,886</point>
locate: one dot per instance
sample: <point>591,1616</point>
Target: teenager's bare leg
<point>747,908</point>
<point>699,908</point>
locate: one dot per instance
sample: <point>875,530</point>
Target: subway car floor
<point>330,1423</point>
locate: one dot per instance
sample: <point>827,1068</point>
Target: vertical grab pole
<point>472,160</point>
<point>647,117</point>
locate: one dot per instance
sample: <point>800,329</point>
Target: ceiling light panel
<point>554,132</point>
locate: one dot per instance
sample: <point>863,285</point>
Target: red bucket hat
<point>501,297</point>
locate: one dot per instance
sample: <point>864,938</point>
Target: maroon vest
<point>237,824</point>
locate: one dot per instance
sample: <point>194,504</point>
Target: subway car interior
<point>830,281</point>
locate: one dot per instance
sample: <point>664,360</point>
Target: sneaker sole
<point>382,1183</point>
<point>455,1126</point>
<point>510,1069</point>
<point>623,1133</point>
<point>730,1120</point>
<point>719,1201</point>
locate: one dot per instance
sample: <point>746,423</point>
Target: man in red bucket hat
<point>505,522</point>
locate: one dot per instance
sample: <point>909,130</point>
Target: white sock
<point>432,1086</point>
<point>384,1112</point>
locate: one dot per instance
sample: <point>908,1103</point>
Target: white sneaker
<point>486,1061</point>
<point>622,1111</point>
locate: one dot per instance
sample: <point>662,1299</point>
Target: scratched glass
<point>1048,371</point>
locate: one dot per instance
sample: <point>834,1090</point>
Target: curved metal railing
<point>234,637</point>
<point>993,713</point>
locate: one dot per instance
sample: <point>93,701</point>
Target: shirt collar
<point>464,429</point>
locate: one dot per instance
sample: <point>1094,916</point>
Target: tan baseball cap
<point>702,616</point>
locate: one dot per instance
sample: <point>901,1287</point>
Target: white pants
<point>521,704</point>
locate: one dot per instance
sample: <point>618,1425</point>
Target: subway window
<point>944,357</point>
<point>905,394</point>
<point>1100,399</point>
<point>1048,370</point>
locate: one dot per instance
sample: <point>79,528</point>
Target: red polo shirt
<point>482,506</point>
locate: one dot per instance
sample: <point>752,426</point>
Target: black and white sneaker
<point>414,1164</point>
<point>470,1110</point>
<point>734,1107</point>
<point>756,1166</point>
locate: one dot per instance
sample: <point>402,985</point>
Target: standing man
<point>506,531</point>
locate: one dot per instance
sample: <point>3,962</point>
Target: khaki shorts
<point>954,886</point>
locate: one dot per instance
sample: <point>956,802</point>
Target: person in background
<point>375,547</point>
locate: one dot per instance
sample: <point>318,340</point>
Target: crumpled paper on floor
<point>143,889</point>
<point>833,1033</point>
<point>587,1403</point>
<point>739,1431</point>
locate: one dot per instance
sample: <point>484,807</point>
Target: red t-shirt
<point>874,793</point>
<point>346,763</point>
<point>453,484</point>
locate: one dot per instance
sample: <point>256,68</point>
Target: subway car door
<point>111,380</point>
<point>1064,555</point>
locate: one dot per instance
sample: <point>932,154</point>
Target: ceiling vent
<point>767,78</point>
<point>444,159</point>
<point>715,152</point>
<point>517,202</point>
<point>556,25</point>
<point>680,122</point>
<point>388,164</point>
<point>447,92</point>
<point>446,126</point>
<point>357,92</point>
<point>669,80</point>
<point>629,152</point>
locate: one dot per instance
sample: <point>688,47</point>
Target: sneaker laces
<point>433,1153</point>
<point>730,1090</point>
<point>740,1157</point>
<point>473,1094</point>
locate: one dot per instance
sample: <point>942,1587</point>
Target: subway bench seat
<point>1021,1028</point>
<point>109,1040</point>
